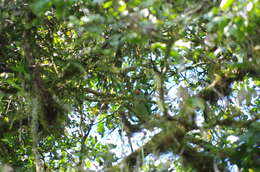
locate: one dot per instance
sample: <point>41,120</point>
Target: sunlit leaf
<point>107,4</point>
<point>225,4</point>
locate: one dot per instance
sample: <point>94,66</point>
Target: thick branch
<point>172,136</point>
<point>35,103</point>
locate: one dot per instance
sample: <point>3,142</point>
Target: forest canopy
<point>130,85</point>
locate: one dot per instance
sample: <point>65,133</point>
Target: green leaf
<point>122,7</point>
<point>101,128</point>
<point>39,7</point>
<point>107,4</point>
<point>159,45</point>
<point>225,4</point>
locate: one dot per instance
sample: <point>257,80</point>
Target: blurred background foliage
<point>130,85</point>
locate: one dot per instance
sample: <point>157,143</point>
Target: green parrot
<point>141,107</point>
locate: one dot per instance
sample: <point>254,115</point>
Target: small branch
<point>161,142</point>
<point>230,122</point>
<point>160,89</point>
<point>83,139</point>
<point>98,93</point>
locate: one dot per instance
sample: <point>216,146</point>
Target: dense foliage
<point>130,85</point>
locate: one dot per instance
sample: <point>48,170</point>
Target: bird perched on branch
<point>141,107</point>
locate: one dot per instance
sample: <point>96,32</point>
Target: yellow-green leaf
<point>108,4</point>
<point>159,45</point>
<point>225,4</point>
<point>122,8</point>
